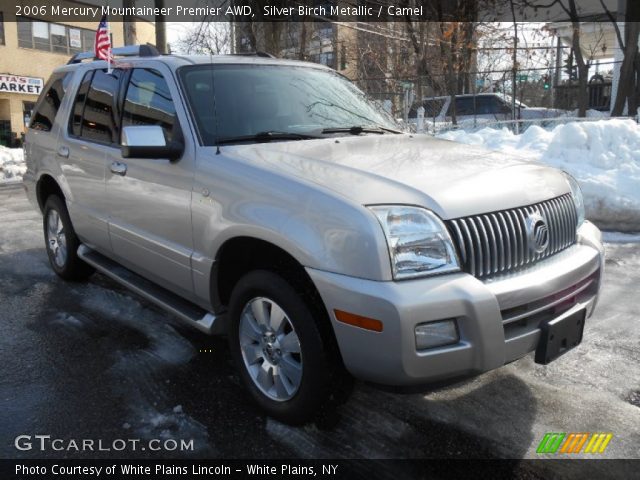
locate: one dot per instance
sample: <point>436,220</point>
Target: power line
<point>417,77</point>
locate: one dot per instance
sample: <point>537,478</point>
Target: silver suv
<point>270,201</point>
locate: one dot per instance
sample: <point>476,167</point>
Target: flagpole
<point>110,46</point>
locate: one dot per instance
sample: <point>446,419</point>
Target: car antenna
<point>215,111</point>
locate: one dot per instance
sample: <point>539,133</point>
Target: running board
<point>183,309</point>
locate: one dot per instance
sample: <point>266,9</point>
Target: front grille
<point>497,243</point>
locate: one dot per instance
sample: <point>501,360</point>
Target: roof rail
<point>255,54</point>
<point>147,50</point>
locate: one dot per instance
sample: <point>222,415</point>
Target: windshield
<point>254,99</point>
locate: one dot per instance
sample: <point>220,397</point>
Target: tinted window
<point>432,108</point>
<point>78,104</point>
<point>148,102</point>
<point>49,103</point>
<point>486,105</point>
<point>464,106</point>
<point>502,106</point>
<point>99,119</point>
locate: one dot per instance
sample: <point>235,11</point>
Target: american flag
<point>103,42</point>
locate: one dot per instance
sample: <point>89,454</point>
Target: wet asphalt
<point>94,361</point>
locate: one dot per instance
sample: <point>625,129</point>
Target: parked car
<point>270,201</point>
<point>480,108</point>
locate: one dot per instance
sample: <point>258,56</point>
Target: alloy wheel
<point>270,349</point>
<point>56,238</point>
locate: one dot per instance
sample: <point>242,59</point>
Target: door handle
<point>63,151</point>
<point>119,168</point>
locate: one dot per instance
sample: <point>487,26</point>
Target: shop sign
<point>18,84</point>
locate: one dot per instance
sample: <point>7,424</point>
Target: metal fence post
<point>420,119</point>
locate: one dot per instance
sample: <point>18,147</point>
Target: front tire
<point>278,345</point>
<point>61,242</point>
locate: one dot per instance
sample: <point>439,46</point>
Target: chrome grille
<point>496,242</point>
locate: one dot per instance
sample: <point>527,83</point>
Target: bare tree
<point>209,38</point>
<point>627,93</point>
<point>570,9</point>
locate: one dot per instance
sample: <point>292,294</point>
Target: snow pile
<point>12,165</point>
<point>604,156</point>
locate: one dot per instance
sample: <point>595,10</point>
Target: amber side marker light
<point>358,321</point>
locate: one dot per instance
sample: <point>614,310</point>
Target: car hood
<point>452,179</point>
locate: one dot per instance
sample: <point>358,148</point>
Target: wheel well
<point>47,186</point>
<point>241,255</point>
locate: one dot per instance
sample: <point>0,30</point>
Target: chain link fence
<point>540,99</point>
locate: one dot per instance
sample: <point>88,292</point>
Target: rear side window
<point>464,106</point>
<point>432,108</point>
<point>486,105</point>
<point>78,104</point>
<point>49,103</point>
<point>149,102</point>
<point>99,118</point>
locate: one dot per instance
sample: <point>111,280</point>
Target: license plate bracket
<point>560,335</point>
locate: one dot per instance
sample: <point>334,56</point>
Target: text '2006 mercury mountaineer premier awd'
<point>271,201</point>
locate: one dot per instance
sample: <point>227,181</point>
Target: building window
<point>1,28</point>
<point>54,37</point>
<point>325,31</point>
<point>326,58</point>
<point>245,44</point>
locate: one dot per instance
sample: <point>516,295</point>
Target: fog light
<point>436,334</point>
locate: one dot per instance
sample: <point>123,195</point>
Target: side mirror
<point>147,141</point>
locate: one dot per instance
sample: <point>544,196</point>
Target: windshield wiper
<point>265,137</point>
<point>358,129</point>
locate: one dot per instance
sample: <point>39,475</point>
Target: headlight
<point>576,193</point>
<point>418,241</point>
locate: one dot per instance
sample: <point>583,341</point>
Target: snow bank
<point>604,156</point>
<point>12,165</point>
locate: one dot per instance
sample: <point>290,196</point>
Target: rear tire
<point>61,242</point>
<point>282,352</point>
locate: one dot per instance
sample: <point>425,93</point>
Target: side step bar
<point>186,311</point>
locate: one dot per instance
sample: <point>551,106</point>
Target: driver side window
<point>148,102</point>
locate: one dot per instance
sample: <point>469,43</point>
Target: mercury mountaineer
<point>269,200</point>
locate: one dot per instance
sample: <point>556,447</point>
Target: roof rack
<point>147,50</point>
<point>255,54</point>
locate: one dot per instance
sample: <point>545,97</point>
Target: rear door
<point>44,127</point>
<point>83,147</point>
<point>149,200</point>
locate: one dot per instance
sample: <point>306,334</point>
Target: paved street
<point>91,360</point>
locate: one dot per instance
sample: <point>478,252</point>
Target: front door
<point>149,200</point>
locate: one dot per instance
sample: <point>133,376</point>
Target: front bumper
<point>498,320</point>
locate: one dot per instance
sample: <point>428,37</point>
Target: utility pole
<point>558,72</point>
<point>161,32</point>
<point>514,74</point>
<point>129,25</point>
